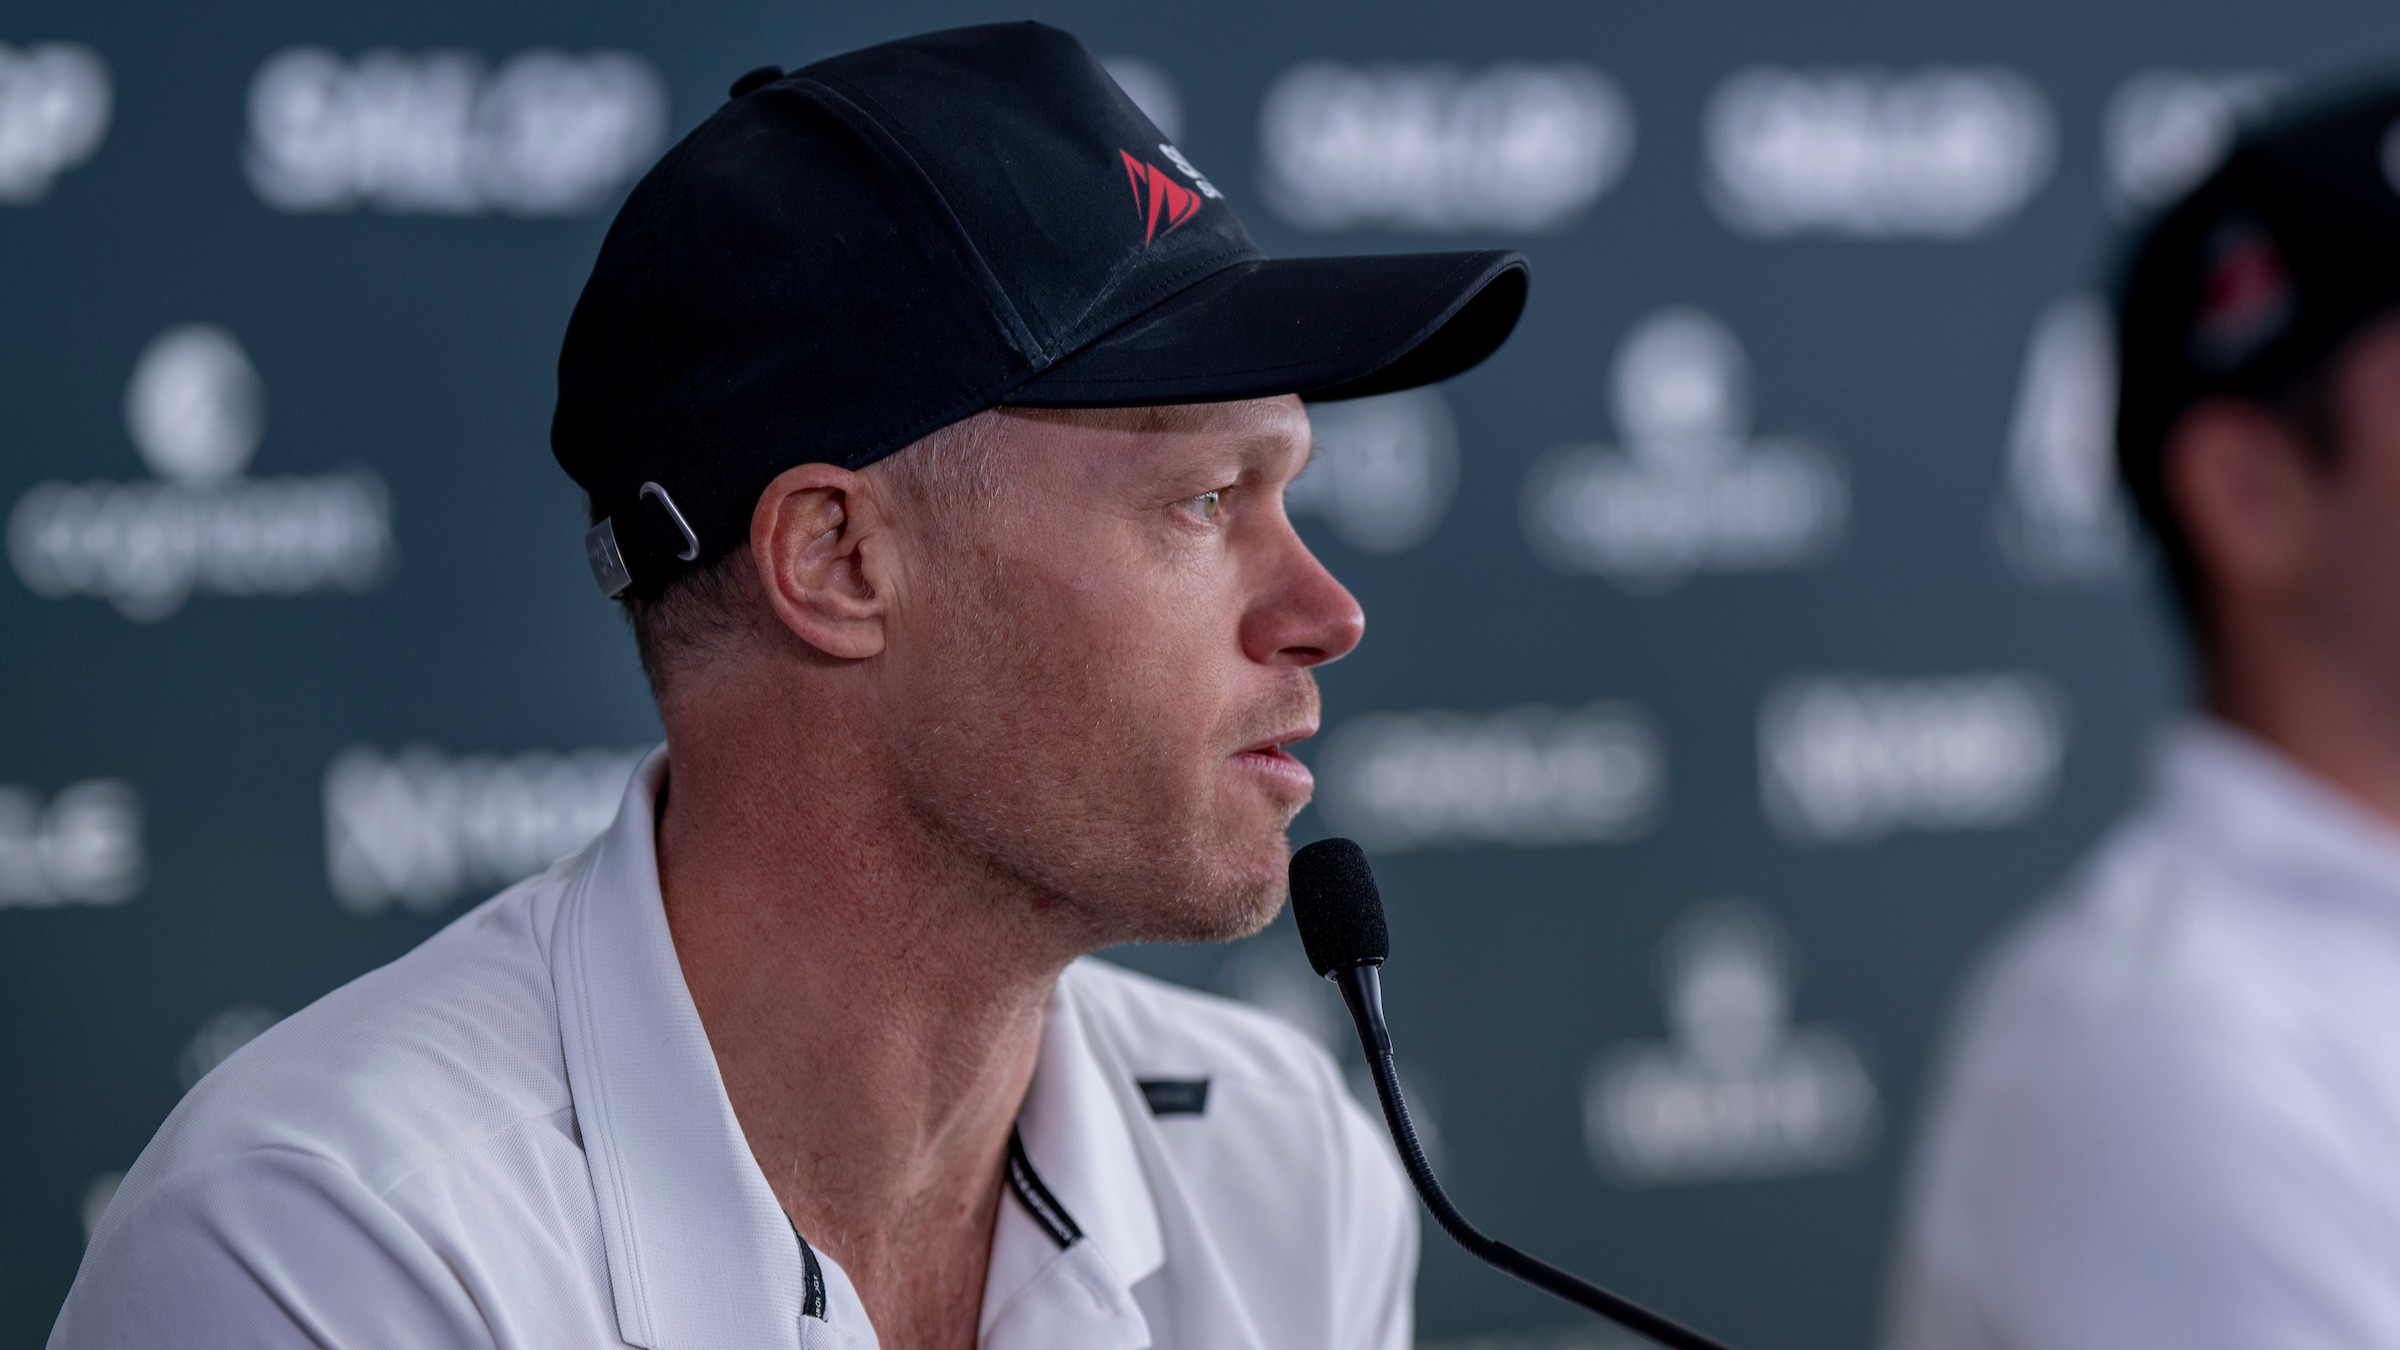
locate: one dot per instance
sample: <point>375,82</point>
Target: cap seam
<point>1378,338</point>
<point>957,410</point>
<point>899,144</point>
<point>876,139</point>
<point>1067,339</point>
<point>1143,303</point>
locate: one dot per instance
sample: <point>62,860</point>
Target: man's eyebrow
<point>1267,447</point>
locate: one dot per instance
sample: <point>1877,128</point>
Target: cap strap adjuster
<point>607,560</point>
<point>691,541</point>
<point>606,552</point>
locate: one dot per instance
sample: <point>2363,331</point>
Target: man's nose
<point>1305,617</point>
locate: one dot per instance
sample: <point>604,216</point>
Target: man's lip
<point>1279,742</point>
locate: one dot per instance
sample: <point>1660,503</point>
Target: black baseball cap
<point>847,257</point>
<point>2257,276</point>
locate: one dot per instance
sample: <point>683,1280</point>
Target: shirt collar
<point>699,1251</point>
<point>2248,804</point>
<point>1077,1123</point>
<point>1076,1235</point>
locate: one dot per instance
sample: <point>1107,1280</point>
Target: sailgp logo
<point>1160,201</point>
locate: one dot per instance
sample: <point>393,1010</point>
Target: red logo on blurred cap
<point>1157,197</point>
<point>2245,296</point>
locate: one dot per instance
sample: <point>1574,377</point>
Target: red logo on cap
<point>2245,296</point>
<point>1155,196</point>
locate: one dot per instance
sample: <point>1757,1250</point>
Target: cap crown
<point>841,260</point>
<point>2260,271</point>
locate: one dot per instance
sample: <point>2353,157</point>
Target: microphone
<point>1341,926</point>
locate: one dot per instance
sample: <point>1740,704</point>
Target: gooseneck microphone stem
<point>1340,917</point>
<point>1362,990</point>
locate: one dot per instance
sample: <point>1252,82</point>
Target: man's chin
<point>1225,898</point>
<point>1253,914</point>
<point>1222,918</point>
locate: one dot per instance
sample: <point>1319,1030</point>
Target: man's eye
<point>1208,504</point>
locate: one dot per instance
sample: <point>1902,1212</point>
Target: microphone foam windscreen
<point>1336,905</point>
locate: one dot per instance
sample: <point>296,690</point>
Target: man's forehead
<point>1168,438</point>
<point>1258,417</point>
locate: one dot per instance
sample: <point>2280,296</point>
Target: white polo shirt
<point>515,1136</point>
<point>2171,1114</point>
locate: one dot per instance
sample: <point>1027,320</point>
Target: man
<point>2172,1112</point>
<point>935,415</point>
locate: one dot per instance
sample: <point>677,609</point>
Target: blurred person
<point>2170,1114</point>
<point>935,415</point>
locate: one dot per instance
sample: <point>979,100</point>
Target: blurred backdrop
<point>1749,640</point>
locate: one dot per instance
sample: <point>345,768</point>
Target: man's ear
<point>2249,496</point>
<point>819,539</point>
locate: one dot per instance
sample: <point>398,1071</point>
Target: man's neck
<point>2328,716</point>
<point>875,1010</point>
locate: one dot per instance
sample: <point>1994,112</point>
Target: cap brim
<point>1322,328</point>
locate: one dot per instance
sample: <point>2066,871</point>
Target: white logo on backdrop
<point>218,1038</point>
<point>2165,129</point>
<point>1847,761</point>
<point>547,134</point>
<point>1384,469</point>
<point>195,411</point>
<point>1515,147</point>
<point>1940,154</point>
<point>195,408</point>
<point>1690,491</point>
<point>422,828</point>
<point>1736,1092</point>
<point>82,847</point>
<point>1528,777</point>
<point>1152,90</point>
<point>2061,517</point>
<point>54,107</point>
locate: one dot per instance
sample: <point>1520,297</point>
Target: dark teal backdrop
<point>1748,641</point>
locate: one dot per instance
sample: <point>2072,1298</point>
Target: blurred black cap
<point>848,257</point>
<point>2259,274</point>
